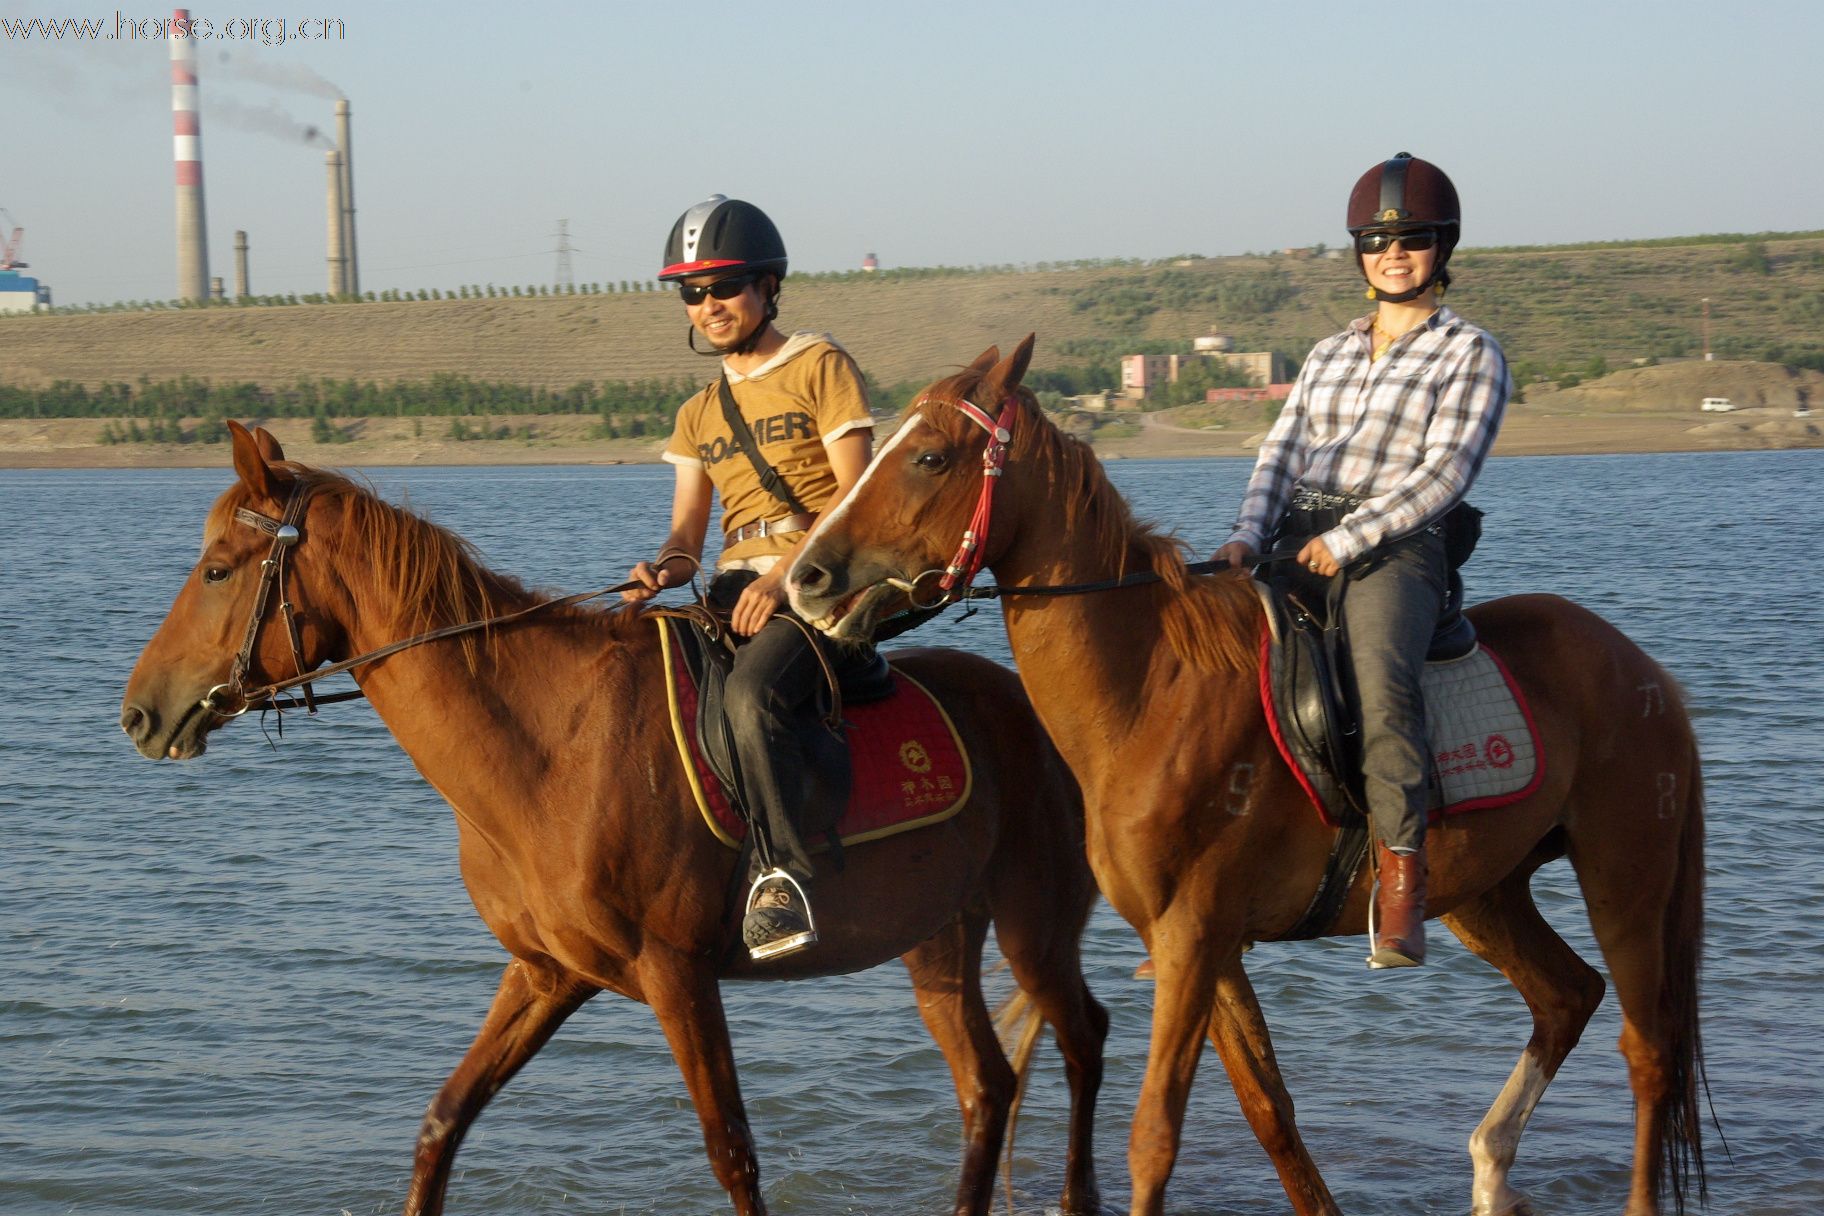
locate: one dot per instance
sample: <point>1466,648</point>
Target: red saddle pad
<point>910,766</point>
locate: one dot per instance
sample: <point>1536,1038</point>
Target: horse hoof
<point>1083,1203</point>
<point>1518,1207</point>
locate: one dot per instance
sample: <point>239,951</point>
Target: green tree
<point>1753,259</point>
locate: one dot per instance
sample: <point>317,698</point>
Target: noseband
<point>285,536</point>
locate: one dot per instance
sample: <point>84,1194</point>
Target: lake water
<point>231,986</point>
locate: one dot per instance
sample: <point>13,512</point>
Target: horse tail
<point>1019,1025</point>
<point>1681,1149</point>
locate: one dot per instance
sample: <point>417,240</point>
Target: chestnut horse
<point>1198,833</point>
<point>580,843</point>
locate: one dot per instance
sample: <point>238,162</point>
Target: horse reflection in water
<point>1198,833</point>
<point>579,840</point>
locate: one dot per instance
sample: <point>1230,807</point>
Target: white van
<point>1716,405</point>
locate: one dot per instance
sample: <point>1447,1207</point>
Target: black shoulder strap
<point>744,435</point>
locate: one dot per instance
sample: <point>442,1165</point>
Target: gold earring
<point>1438,293</point>
<point>1369,294</point>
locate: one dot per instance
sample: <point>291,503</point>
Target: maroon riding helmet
<point>1403,194</point>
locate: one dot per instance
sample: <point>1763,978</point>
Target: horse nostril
<point>135,722</point>
<point>808,576</point>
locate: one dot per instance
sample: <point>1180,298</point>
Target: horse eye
<point>216,574</point>
<point>932,461</point>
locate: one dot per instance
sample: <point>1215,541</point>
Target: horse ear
<point>986,360</point>
<point>1019,360</point>
<point>269,445</point>
<point>1009,371</point>
<point>250,462</point>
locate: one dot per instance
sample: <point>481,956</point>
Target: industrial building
<point>1142,374</point>
<point>194,282</point>
<point>19,293</point>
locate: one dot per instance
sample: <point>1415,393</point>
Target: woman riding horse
<point>1200,835</point>
<point>1384,433</point>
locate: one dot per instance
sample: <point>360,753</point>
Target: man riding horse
<point>781,434</point>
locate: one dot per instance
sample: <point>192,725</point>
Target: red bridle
<point>968,560</point>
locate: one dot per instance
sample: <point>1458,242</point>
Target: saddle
<point>902,761</point>
<point>1314,723</point>
<point>1484,750</point>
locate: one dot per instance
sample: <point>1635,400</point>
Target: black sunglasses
<point>1412,240</point>
<point>722,289</point>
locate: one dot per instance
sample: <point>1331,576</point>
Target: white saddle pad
<point>1482,741</point>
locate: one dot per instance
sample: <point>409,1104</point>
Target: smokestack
<point>240,265</point>
<point>338,256</point>
<point>352,277</point>
<point>215,289</point>
<point>187,144</point>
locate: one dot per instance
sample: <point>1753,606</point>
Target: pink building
<point>1142,373</point>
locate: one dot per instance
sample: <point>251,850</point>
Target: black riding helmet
<point>1402,194</point>
<point>725,235</point>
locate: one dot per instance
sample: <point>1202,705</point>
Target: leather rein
<point>286,536</point>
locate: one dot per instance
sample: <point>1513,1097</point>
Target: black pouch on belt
<point>1462,529</point>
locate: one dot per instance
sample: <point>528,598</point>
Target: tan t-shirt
<point>809,392</point>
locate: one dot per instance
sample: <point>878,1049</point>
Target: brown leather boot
<point>1399,910</point>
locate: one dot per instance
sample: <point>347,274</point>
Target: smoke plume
<point>269,119</point>
<point>291,77</point>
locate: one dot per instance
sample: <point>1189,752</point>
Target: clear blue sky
<point>929,133</point>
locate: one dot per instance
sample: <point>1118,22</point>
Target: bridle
<point>954,585</point>
<point>286,536</point>
<point>967,562</point>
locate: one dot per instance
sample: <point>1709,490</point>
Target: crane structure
<point>9,246</point>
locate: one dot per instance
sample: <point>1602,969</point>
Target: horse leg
<point>1645,892</point>
<point>684,994</point>
<point>531,1003</point>
<point>1047,964</point>
<point>946,975</point>
<point>1240,1035</point>
<point>1181,1011</point>
<point>1504,928</point>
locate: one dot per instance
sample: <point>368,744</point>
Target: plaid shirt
<point>1407,433</point>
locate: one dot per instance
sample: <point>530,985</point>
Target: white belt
<point>768,527</point>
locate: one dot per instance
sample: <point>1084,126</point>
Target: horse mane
<point>390,554</point>
<point>1211,622</point>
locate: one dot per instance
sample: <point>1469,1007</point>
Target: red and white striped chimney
<point>187,144</point>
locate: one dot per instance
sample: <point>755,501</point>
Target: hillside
<point>900,329</point>
<point>1557,311</point>
<point>1680,386</point>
